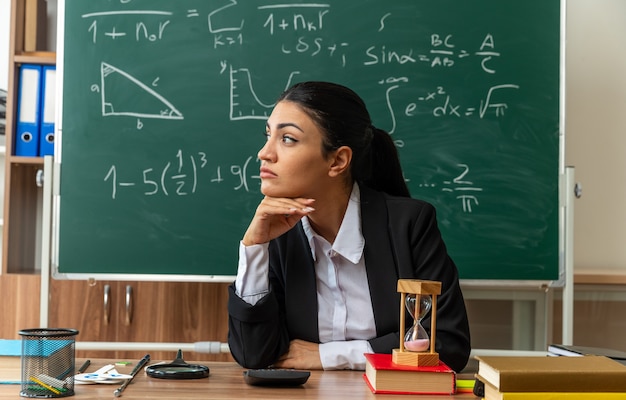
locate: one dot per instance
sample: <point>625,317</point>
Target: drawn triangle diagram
<point>123,94</point>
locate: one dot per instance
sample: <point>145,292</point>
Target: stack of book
<point>553,378</point>
<point>384,376</point>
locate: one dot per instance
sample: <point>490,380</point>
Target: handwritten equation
<point>445,105</point>
<point>251,52</point>
<point>308,20</point>
<point>303,29</point>
<point>182,175</point>
<point>464,190</point>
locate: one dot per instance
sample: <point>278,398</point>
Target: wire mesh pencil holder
<point>48,362</point>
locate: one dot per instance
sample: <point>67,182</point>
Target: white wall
<point>595,132</point>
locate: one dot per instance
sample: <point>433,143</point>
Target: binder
<point>28,110</point>
<point>48,108</point>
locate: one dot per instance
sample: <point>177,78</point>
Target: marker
<point>142,362</point>
<point>84,366</point>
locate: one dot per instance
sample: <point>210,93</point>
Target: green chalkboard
<point>164,106</point>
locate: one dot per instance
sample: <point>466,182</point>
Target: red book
<point>383,376</point>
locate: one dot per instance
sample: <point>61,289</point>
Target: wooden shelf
<point>36,57</point>
<point>25,160</point>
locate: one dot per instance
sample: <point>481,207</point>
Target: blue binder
<point>28,110</point>
<point>48,108</point>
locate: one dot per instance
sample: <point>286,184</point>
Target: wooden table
<point>600,276</point>
<point>224,382</point>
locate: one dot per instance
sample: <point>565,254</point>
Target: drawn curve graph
<point>242,92</point>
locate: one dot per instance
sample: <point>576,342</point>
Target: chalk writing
<point>141,30</point>
<point>295,30</point>
<point>164,104</point>
<point>182,176</point>
<point>463,189</point>
<point>443,52</point>
<point>445,106</point>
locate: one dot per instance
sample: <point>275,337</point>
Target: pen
<point>142,362</point>
<point>84,366</point>
<point>69,370</point>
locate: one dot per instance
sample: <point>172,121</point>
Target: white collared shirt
<point>346,317</point>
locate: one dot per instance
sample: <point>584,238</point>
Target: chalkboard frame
<point>58,274</point>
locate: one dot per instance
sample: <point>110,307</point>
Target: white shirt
<point>346,317</point>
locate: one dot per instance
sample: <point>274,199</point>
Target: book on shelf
<point>574,351</point>
<point>491,393</point>
<point>384,376</point>
<point>552,374</point>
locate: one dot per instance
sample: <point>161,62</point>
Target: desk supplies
<point>84,367</point>
<point>275,377</point>
<point>177,369</point>
<point>43,385</point>
<point>552,374</point>
<point>226,382</point>
<point>106,375</point>
<point>384,376</point>
<point>140,365</point>
<point>47,356</point>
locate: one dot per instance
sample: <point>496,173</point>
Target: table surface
<point>600,276</point>
<point>224,382</point>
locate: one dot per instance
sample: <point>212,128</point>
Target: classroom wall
<point>595,129</point>
<point>595,145</point>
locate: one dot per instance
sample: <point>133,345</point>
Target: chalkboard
<point>164,106</point>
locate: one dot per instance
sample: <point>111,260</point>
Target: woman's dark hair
<point>345,121</point>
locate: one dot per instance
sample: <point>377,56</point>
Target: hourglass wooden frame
<point>402,356</point>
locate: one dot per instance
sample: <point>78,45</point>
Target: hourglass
<point>416,348</point>
<point>416,338</point>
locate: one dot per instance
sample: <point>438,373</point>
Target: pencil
<point>40,383</point>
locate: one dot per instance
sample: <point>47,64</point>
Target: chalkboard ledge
<point>509,284</point>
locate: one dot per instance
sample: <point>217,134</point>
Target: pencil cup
<point>48,361</point>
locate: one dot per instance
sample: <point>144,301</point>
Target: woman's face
<point>292,164</point>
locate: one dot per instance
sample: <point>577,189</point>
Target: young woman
<point>320,261</point>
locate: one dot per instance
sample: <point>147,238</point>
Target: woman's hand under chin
<point>275,216</point>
